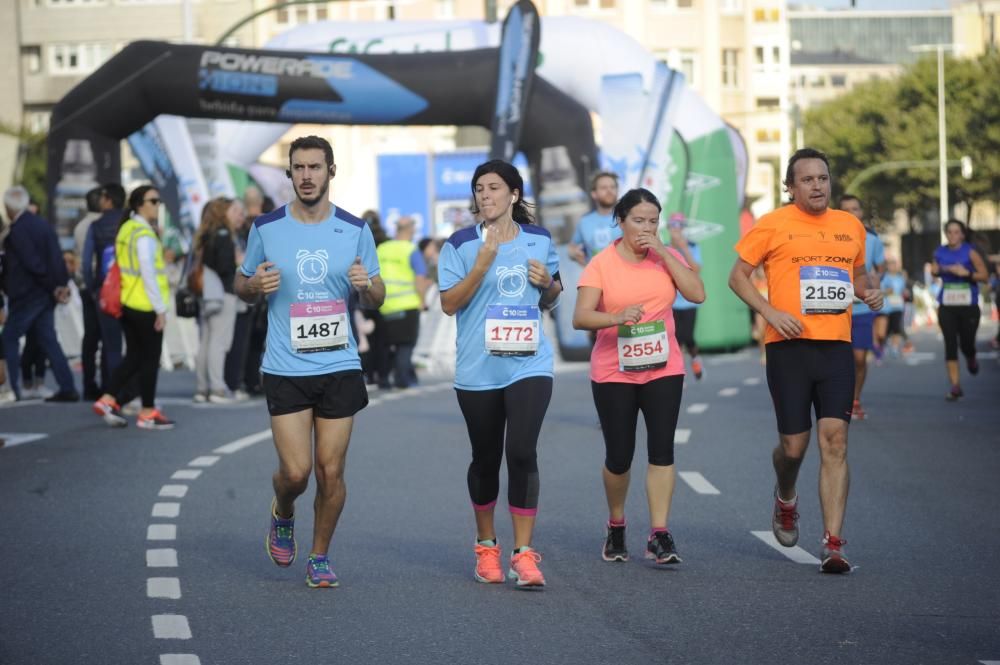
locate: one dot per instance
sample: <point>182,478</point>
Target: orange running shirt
<point>806,257</point>
<point>622,284</point>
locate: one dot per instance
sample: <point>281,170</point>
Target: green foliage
<point>31,156</point>
<point>896,120</point>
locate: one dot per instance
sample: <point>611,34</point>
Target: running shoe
<point>488,568</point>
<point>110,412</point>
<point>200,398</point>
<point>908,347</point>
<point>785,520</point>
<point>318,573</point>
<point>971,363</point>
<point>154,420</point>
<point>614,544</point>
<point>857,411</point>
<point>661,549</point>
<point>878,351</point>
<point>280,539</point>
<point>832,558</point>
<point>524,568</point>
<point>696,368</point>
<point>954,394</point>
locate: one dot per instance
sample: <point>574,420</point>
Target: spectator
<point>36,279</point>
<point>98,254</point>
<point>236,359</point>
<point>91,327</point>
<point>215,245</point>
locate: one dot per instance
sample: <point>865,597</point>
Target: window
<point>768,135</point>
<point>320,12</point>
<point>446,9</point>
<point>688,66</point>
<point>31,59</point>
<point>768,103</point>
<point>76,3</point>
<point>838,80</point>
<point>685,4</point>
<point>776,57</point>
<point>71,59</point>
<point>730,68</point>
<point>758,57</point>
<point>731,6</point>
<point>595,4</point>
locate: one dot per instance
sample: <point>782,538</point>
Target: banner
<point>515,78</point>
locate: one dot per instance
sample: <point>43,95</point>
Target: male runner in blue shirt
<point>307,257</point>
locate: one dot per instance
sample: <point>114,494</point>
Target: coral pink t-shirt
<point>622,284</point>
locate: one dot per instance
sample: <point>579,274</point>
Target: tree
<point>31,156</point>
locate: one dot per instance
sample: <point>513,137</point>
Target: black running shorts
<point>804,372</point>
<point>334,395</point>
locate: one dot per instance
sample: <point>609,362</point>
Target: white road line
<point>698,482</point>
<point>796,554</point>
<point>245,442</point>
<point>682,435</point>
<point>990,662</point>
<point>161,558</point>
<point>186,474</point>
<point>391,396</point>
<point>17,438</point>
<point>729,392</point>
<point>174,491</point>
<point>163,587</point>
<point>161,532</point>
<point>204,460</point>
<point>168,510</point>
<point>700,407</point>
<point>179,659</point>
<point>171,627</point>
<point>751,381</point>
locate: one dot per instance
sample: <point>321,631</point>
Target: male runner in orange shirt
<point>814,259</point>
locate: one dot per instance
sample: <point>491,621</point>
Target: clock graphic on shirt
<point>312,266</point>
<point>512,281</point>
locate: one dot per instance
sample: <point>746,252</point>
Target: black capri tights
<point>518,411</point>
<point>618,406</point>
<point>959,324</point>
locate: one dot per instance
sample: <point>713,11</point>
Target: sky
<point>876,4</point>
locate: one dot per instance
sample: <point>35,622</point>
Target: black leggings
<point>618,406</point>
<point>142,357</point>
<point>519,409</point>
<point>959,324</point>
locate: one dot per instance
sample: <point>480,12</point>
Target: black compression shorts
<point>804,372</point>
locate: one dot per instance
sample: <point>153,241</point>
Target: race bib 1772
<point>512,330</point>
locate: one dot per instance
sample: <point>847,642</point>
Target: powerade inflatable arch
<point>656,133</point>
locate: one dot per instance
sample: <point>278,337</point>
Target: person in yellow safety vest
<point>405,275</point>
<point>145,293</point>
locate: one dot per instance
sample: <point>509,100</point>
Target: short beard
<point>320,195</point>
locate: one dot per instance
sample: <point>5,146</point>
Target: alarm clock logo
<point>312,266</point>
<point>512,281</point>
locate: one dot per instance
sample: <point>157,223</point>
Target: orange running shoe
<point>524,568</point>
<point>488,568</point>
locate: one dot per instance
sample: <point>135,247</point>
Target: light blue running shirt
<point>506,283</point>
<point>874,255</point>
<point>595,232</point>
<point>313,260</point>
<point>681,302</point>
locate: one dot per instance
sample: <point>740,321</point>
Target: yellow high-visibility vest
<point>127,256</point>
<point>394,267</point>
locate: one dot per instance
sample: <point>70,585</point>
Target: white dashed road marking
<point>245,442</point>
<point>161,532</point>
<point>179,659</point>
<point>204,460</point>
<point>171,627</point>
<point>682,435</point>
<point>796,554</point>
<point>175,491</point>
<point>186,474</point>
<point>166,510</point>
<point>17,438</point>
<point>698,482</point>
<point>700,407</point>
<point>751,381</point>
<point>163,587</point>
<point>729,392</point>
<point>161,558</point>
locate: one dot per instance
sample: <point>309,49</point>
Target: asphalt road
<point>132,547</point>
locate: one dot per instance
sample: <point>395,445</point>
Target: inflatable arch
<point>655,131</point>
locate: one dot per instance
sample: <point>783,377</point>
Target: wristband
<point>369,285</point>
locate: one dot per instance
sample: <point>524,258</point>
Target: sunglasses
<point>155,202</point>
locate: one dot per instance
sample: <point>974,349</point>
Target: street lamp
<point>942,149</point>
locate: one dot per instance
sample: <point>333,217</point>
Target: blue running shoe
<point>281,538</point>
<point>318,573</point>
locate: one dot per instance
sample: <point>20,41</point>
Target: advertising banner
<point>515,78</point>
